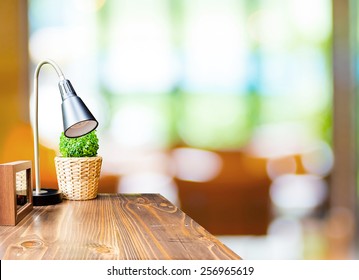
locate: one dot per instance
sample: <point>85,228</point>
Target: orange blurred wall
<point>16,141</point>
<point>14,95</point>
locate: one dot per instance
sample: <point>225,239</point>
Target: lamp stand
<point>46,197</point>
<point>42,197</point>
<point>77,120</point>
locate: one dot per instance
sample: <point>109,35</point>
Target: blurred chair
<point>227,192</point>
<point>109,183</point>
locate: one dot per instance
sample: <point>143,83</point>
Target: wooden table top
<point>112,226</point>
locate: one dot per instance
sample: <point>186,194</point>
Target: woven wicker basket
<point>78,177</point>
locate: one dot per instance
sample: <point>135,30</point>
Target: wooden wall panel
<point>344,198</point>
<point>14,85</point>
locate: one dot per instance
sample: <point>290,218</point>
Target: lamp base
<point>46,197</point>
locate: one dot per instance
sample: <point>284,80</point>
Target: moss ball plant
<point>78,168</point>
<point>84,146</point>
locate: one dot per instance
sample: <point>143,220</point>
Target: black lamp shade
<point>77,118</point>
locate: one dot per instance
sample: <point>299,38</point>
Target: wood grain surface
<point>112,226</point>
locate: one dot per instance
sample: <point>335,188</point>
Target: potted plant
<point>78,168</point>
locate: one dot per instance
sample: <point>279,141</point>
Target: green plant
<point>84,146</point>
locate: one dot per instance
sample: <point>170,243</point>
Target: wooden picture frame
<point>15,192</point>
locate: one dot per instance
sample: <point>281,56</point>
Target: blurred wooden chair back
<point>234,200</point>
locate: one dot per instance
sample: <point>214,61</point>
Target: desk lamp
<point>77,121</point>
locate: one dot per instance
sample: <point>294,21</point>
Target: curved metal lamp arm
<point>35,119</point>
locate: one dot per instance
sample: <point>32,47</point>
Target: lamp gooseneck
<point>35,119</point>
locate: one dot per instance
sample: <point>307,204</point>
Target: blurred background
<point>234,110</point>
